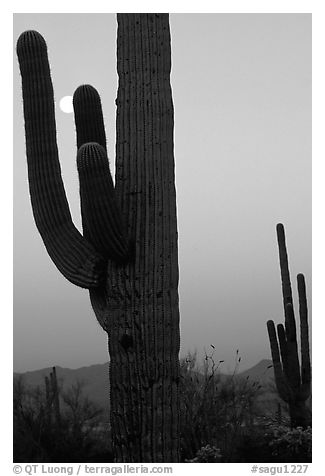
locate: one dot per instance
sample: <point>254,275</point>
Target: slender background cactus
<point>127,256</point>
<point>52,400</point>
<point>293,379</point>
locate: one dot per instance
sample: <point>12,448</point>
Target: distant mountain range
<point>262,372</point>
<point>96,379</point>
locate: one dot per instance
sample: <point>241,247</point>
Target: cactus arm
<point>284,267</point>
<point>101,218</point>
<point>283,348</point>
<point>88,116</point>
<point>76,259</point>
<point>304,335</point>
<point>293,359</point>
<point>277,366</point>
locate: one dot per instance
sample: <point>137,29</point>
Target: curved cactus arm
<point>77,260</point>
<point>101,218</point>
<point>304,334</point>
<point>284,267</point>
<point>277,366</point>
<point>88,116</point>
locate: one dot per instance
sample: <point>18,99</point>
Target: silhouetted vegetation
<point>80,433</point>
<point>223,419</point>
<point>214,409</point>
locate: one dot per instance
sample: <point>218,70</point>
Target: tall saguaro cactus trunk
<point>293,378</point>
<point>127,256</point>
<point>142,298</point>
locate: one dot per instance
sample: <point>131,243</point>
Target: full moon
<point>66,104</point>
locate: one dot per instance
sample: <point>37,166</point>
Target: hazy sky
<point>242,96</point>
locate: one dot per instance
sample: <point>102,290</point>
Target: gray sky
<point>242,95</point>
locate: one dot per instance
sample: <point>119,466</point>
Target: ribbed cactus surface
<point>145,188</point>
<point>293,378</point>
<point>127,256</point>
<point>77,260</point>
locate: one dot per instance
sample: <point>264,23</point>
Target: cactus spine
<point>293,380</point>
<point>127,256</point>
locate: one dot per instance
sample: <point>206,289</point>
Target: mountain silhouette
<point>95,379</point>
<point>262,372</point>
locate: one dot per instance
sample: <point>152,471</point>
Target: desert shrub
<point>80,435</point>
<point>207,454</point>
<point>292,445</point>
<point>277,443</point>
<point>216,410</point>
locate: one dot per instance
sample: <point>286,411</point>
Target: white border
<point>6,201</point>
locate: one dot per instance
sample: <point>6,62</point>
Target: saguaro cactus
<point>127,256</point>
<point>53,398</point>
<point>293,380</point>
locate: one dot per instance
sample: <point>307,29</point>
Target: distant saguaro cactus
<point>53,398</point>
<point>293,380</point>
<point>127,256</point>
